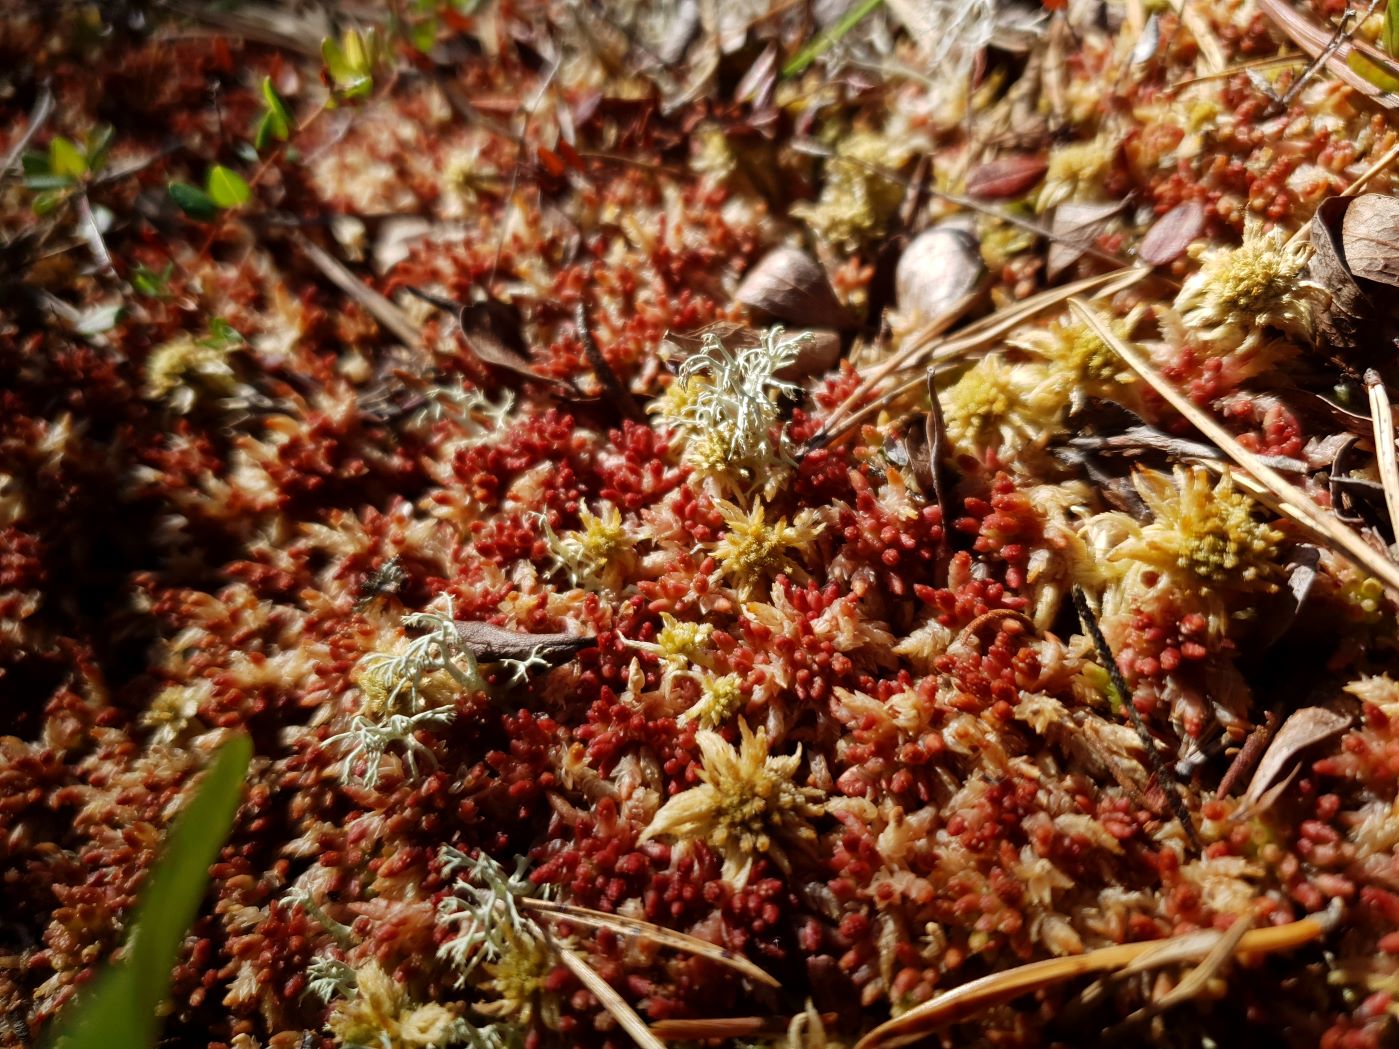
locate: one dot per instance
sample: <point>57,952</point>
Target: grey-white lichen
<point>726,404</point>
<point>388,677</point>
<point>370,740</point>
<point>483,913</point>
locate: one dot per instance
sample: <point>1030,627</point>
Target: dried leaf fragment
<point>1303,728</point>
<point>1172,233</point>
<point>1370,238</point>
<point>791,286</point>
<point>1342,324</point>
<point>1006,177</point>
<point>491,644</point>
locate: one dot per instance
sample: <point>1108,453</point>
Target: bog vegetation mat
<point>720,522</point>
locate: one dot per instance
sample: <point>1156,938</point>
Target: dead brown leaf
<point>1006,177</point>
<point>1343,322</point>
<point>1301,730</point>
<point>1172,233</point>
<point>1370,238</point>
<point>790,285</point>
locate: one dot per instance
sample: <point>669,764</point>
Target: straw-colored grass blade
<point>659,934</point>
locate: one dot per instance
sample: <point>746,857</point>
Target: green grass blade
<point>119,1012</point>
<point>823,43</point>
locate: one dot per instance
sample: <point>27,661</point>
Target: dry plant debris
<point>629,468</point>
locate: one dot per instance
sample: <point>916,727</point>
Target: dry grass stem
<point>625,926</point>
<point>979,995</point>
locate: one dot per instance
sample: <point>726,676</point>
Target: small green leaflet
<point>66,160</point>
<point>193,201</point>
<point>351,63</point>
<point>226,187</point>
<point>118,1011</point>
<point>276,121</point>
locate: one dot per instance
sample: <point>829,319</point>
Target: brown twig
<point>381,308</point>
<point>38,117</point>
<point>616,393</point>
<point>1248,755</point>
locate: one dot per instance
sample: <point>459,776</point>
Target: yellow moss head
<point>181,370</point>
<point>1237,292</point>
<point>746,806</point>
<point>859,196</point>
<point>380,1014</point>
<point>680,643</point>
<point>517,980</point>
<point>1076,172</point>
<point>721,696</point>
<point>1208,530</point>
<point>752,550</point>
<point>1000,405</point>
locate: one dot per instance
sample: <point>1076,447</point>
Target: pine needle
<point>967,1001</point>
<point>927,342</point>
<point>667,937</point>
<point>609,999</point>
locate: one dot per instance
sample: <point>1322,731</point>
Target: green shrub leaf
<point>226,187</point>
<point>65,159</point>
<point>276,120</point>
<point>193,201</point>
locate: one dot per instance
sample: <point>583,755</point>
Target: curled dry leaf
<point>1302,729</point>
<point>1005,177</point>
<point>938,273</point>
<point>1076,225</point>
<point>1370,238</point>
<point>1341,324</point>
<point>1172,233</point>
<point>490,644</point>
<point>791,286</point>
<point>492,331</point>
